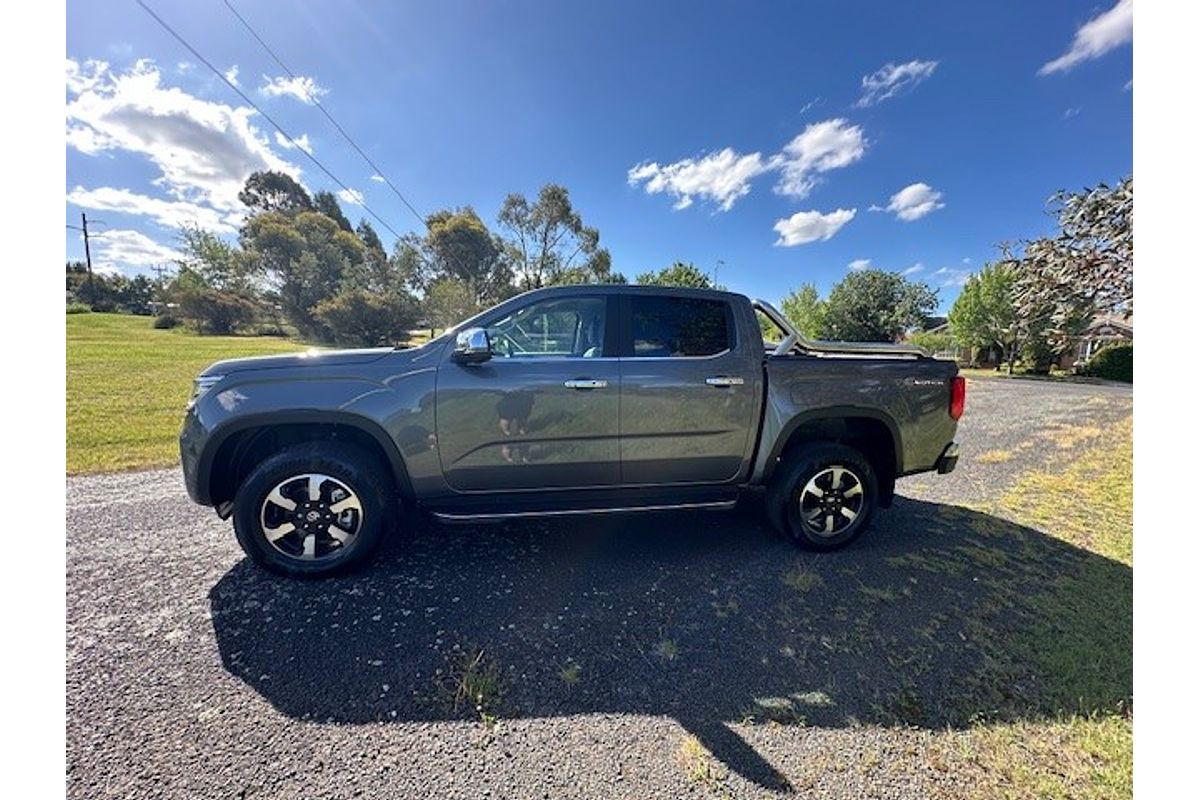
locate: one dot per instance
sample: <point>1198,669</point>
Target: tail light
<point>958,396</point>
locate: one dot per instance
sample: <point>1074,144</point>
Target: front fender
<point>199,461</point>
<point>390,400</point>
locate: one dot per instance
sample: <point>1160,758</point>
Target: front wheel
<point>312,510</point>
<point>824,496</point>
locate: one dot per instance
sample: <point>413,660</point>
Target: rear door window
<point>680,327</point>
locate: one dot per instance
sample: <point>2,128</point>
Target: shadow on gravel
<point>938,617</point>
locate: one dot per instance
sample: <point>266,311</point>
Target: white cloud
<point>1128,85</point>
<point>1096,37</point>
<point>301,87</point>
<point>86,140</point>
<point>351,196</point>
<point>914,269</point>
<point>231,75</point>
<point>859,264</point>
<point>168,213</point>
<point>301,142</point>
<point>952,277</point>
<point>378,178</point>
<point>203,150</point>
<point>117,248</point>
<point>810,226</point>
<point>892,79</point>
<point>82,78</point>
<point>722,177</point>
<point>915,201</point>
<point>1073,111</point>
<point>821,147</point>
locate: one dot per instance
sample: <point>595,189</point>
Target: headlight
<point>202,385</point>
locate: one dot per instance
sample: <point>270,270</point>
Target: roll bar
<point>792,341</point>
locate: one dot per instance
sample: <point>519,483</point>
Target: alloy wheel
<point>831,501</point>
<point>311,517</point>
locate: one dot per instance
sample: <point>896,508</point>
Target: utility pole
<point>158,301</point>
<point>159,294</point>
<point>87,252</point>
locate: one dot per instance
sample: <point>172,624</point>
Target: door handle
<point>724,380</point>
<point>585,383</point>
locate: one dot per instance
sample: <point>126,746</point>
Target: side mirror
<point>472,346</point>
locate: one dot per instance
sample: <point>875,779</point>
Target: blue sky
<point>787,141</point>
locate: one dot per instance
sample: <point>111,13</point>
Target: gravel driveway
<point>613,645</point>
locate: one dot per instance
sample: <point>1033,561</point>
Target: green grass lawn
<point>127,385</point>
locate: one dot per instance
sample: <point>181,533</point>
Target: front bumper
<point>191,444</point>
<point>948,460</point>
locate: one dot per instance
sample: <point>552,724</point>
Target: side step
<point>480,515</point>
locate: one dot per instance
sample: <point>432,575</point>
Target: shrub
<point>216,312</point>
<point>164,322</point>
<point>78,308</point>
<point>1038,354</point>
<point>933,342</point>
<point>358,318</point>
<point>270,329</point>
<point>1114,362</point>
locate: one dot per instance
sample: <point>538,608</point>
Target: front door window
<point>569,327</point>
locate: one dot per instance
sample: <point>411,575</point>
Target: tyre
<point>823,496</point>
<point>314,509</point>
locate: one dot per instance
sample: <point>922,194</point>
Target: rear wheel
<point>824,495</point>
<point>313,510</point>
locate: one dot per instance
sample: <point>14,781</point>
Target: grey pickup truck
<point>567,400</point>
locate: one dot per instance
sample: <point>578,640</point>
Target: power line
<point>328,116</point>
<point>317,102</point>
<point>265,115</point>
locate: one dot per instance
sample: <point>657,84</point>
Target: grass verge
<point>1077,636</point>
